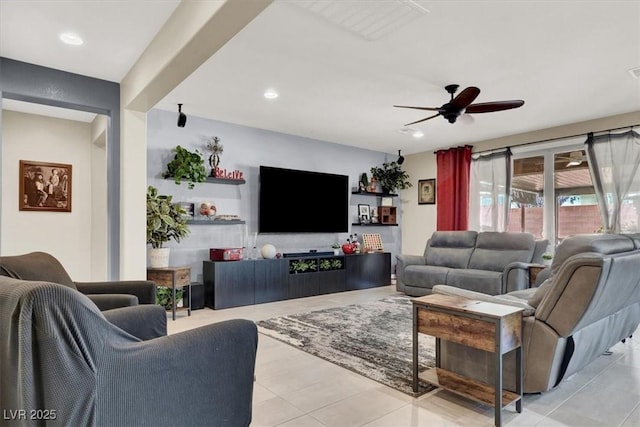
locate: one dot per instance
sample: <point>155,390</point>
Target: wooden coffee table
<point>494,328</point>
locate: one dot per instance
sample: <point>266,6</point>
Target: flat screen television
<point>296,201</point>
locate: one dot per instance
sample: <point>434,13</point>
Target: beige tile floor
<point>295,389</point>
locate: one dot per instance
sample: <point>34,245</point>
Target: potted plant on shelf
<point>165,221</point>
<point>186,165</point>
<point>336,248</point>
<point>391,177</point>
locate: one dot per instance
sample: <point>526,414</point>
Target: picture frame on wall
<point>364,213</point>
<point>44,186</point>
<point>427,191</point>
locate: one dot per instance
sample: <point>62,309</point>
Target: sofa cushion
<point>494,250</point>
<point>540,292</point>
<point>488,282</point>
<point>450,248</point>
<point>425,276</point>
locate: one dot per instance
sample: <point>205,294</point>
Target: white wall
<point>246,149</point>
<point>66,235</point>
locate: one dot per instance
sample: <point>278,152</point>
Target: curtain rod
<point>553,139</point>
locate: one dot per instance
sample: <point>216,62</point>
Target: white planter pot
<point>159,257</point>
<point>336,251</point>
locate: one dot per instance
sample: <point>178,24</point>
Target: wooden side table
<point>494,328</point>
<point>172,277</point>
<point>534,270</point>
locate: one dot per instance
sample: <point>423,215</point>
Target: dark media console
<point>236,283</point>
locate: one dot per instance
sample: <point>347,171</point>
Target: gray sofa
<point>64,364</point>
<point>590,302</point>
<point>489,262</point>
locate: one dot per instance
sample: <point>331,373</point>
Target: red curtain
<point>453,188</point>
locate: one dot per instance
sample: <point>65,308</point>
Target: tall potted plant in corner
<point>391,177</point>
<point>165,221</point>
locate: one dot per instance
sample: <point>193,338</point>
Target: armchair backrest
<point>592,277</point>
<point>54,341</point>
<point>36,266</point>
<point>450,248</point>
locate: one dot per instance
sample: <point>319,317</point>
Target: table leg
<point>519,384</point>
<point>190,299</point>
<point>498,376</point>
<point>173,299</point>
<point>415,349</point>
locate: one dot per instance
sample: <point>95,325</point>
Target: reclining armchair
<point>64,361</point>
<point>589,302</point>
<point>41,266</point>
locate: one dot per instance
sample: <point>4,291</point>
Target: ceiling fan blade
<point>418,108</point>
<point>488,107</point>
<point>422,120</point>
<point>465,97</point>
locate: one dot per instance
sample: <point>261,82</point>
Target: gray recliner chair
<point>41,266</point>
<point>64,361</point>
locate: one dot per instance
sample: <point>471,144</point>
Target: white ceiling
<point>340,65</point>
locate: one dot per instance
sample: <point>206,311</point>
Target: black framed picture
<point>364,213</point>
<point>427,191</point>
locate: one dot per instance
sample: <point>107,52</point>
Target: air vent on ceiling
<point>635,72</point>
<point>369,19</point>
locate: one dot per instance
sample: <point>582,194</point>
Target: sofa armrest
<point>145,290</point>
<point>516,276</point>
<point>112,301</point>
<point>143,321</point>
<point>212,370</point>
<point>402,261</point>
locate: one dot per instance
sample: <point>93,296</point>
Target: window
<point>552,195</point>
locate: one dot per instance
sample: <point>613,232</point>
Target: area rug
<point>372,339</point>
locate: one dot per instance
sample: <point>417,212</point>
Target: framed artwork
<point>44,186</point>
<point>427,191</point>
<point>364,214</point>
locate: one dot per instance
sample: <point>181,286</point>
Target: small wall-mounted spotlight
<point>182,117</point>
<point>400,158</point>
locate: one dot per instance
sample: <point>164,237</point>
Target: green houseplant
<point>165,221</point>
<point>186,165</point>
<point>391,177</point>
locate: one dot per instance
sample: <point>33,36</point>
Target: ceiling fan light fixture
<point>575,158</point>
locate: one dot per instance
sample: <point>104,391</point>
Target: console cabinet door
<point>368,270</point>
<point>228,284</point>
<point>271,280</point>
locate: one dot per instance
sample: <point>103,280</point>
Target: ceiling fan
<point>462,104</point>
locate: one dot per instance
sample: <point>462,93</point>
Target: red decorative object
<point>348,248</point>
<point>225,254</point>
<point>222,173</point>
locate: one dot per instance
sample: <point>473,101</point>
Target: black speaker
<point>197,296</point>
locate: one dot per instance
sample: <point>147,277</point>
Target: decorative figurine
<point>207,209</point>
<point>214,159</point>
<point>373,185</point>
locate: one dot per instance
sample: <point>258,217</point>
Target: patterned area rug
<point>373,339</point>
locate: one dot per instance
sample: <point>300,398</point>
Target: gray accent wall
<point>246,149</point>
<point>32,83</point>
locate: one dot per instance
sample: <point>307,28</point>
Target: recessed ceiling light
<point>271,94</point>
<point>71,38</point>
<point>418,134</point>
